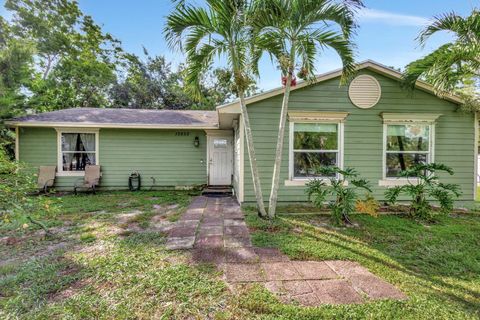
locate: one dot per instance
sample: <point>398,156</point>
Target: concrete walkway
<point>215,231</point>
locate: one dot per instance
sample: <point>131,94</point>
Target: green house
<point>371,124</point>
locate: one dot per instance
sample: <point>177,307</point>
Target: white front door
<point>220,149</point>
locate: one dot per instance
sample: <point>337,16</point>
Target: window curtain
<point>69,141</point>
<point>88,141</point>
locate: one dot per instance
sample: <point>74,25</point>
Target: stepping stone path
<point>214,230</point>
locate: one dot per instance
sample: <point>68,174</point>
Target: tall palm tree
<point>452,66</point>
<point>220,29</point>
<point>294,32</point>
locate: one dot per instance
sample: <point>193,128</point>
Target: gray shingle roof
<point>124,117</point>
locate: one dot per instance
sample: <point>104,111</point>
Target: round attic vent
<point>364,91</point>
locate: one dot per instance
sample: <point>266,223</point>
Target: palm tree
<point>294,32</point>
<point>220,29</point>
<point>453,67</point>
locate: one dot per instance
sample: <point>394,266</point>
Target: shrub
<point>342,187</point>
<point>17,183</point>
<point>368,205</point>
<point>423,187</point>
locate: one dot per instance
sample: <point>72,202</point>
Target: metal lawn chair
<point>46,177</point>
<point>91,179</point>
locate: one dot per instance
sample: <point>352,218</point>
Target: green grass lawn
<point>107,261</point>
<point>436,265</point>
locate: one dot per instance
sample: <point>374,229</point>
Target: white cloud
<point>391,18</point>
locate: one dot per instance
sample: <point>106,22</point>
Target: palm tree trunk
<point>252,156</point>
<point>272,205</point>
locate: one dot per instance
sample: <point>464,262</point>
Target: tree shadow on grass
<point>351,248</point>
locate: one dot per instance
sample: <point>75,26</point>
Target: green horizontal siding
<point>363,138</point>
<point>172,160</point>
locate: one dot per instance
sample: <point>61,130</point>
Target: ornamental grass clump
<point>342,186</point>
<point>423,188</point>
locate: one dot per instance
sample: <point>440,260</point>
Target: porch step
<point>219,191</point>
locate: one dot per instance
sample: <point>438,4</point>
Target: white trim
<point>297,181</point>
<point>317,116</point>
<point>303,182</point>
<point>234,107</point>
<point>219,132</point>
<point>475,181</point>
<point>241,191</point>
<point>17,144</point>
<point>392,181</point>
<point>60,172</point>
<point>410,117</point>
<point>105,125</point>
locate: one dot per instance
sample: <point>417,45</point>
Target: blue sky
<point>387,30</point>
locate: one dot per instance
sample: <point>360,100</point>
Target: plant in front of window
<point>422,187</point>
<point>343,188</point>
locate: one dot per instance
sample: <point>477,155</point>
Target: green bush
<point>343,187</point>
<point>423,187</point>
<point>17,183</point>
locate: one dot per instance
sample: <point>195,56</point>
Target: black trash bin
<point>134,181</point>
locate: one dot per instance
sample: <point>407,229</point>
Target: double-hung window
<point>406,146</point>
<point>408,140</point>
<point>76,151</point>
<point>315,143</point>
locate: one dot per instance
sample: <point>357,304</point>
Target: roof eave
<point>45,124</point>
<point>232,107</point>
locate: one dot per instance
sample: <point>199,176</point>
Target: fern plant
<point>423,186</point>
<point>342,187</point>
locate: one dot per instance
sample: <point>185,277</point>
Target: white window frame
<point>60,131</point>
<point>301,181</point>
<point>396,119</point>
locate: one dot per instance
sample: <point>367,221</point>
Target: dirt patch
<point>69,292</point>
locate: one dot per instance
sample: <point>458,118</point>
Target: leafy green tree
<point>294,32</point>
<point>17,207</point>
<point>424,185</point>
<point>223,28</point>
<point>75,60</point>
<point>342,186</point>
<point>453,67</point>
<point>16,67</point>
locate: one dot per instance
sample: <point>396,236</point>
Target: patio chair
<point>91,179</point>
<point>46,177</point>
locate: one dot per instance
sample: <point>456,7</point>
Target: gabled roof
<point>233,107</point>
<point>121,118</point>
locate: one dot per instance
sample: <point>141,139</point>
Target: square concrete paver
<point>235,242</point>
<point>209,255</point>
<point>190,216</point>
<point>375,288</point>
<point>210,231</point>
<point>347,268</point>
<point>307,299</point>
<point>275,271</point>
<point>209,242</point>
<point>314,270</point>
<point>297,287</point>
<point>241,255</point>
<point>337,291</point>
<point>212,221</point>
<point>243,272</point>
<point>177,232</point>
<point>271,255</point>
<point>234,222</point>
<point>238,231</point>
<point>180,243</point>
